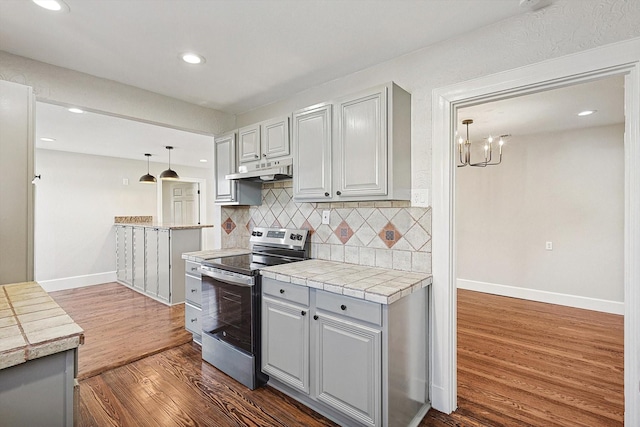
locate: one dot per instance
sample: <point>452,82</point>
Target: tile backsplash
<point>388,234</point>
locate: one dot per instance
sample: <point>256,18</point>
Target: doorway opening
<point>618,59</point>
<point>545,225</point>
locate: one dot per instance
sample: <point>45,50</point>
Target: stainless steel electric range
<point>231,293</point>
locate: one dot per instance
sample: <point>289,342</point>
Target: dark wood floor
<point>121,325</point>
<point>520,363</point>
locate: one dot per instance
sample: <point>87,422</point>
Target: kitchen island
<point>38,358</point>
<point>349,341</point>
<point>148,255</point>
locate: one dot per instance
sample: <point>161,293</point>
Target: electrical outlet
<point>548,246</point>
<point>125,181</point>
<point>420,198</point>
<point>326,217</point>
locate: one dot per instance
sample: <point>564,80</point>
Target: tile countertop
<point>200,256</point>
<point>164,225</point>
<point>378,285</point>
<point>33,325</point>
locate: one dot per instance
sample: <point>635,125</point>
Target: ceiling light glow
<point>47,139</point>
<point>586,113</point>
<point>54,5</point>
<point>192,58</point>
<point>76,110</point>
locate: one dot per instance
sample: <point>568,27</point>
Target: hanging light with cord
<point>169,173</point>
<point>148,178</point>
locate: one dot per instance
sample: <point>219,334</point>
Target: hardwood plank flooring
<point>520,363</point>
<point>524,363</point>
<point>121,325</point>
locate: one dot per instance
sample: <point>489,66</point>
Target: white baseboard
<point>77,281</point>
<point>606,306</point>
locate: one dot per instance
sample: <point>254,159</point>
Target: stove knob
<point>259,233</point>
<point>292,236</point>
<point>298,236</point>
<point>253,233</point>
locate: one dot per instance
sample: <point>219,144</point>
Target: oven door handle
<point>247,281</point>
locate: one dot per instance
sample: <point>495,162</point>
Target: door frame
<point>621,58</point>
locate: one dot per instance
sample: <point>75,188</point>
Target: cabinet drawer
<point>193,289</point>
<point>286,291</point>
<point>192,319</point>
<point>349,307</point>
<point>191,267</point>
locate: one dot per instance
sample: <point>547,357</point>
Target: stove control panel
<point>284,237</point>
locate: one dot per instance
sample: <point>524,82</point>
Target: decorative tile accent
<point>343,232</point>
<point>376,233</point>
<point>228,226</point>
<point>389,235</point>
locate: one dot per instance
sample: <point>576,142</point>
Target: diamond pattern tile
<point>386,234</point>
<point>389,235</point>
<point>343,232</point>
<point>228,226</point>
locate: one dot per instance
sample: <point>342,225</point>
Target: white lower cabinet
<point>338,355</point>
<point>348,368</point>
<point>149,259</point>
<point>285,354</point>
<point>193,300</point>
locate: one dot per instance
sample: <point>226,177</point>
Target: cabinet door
<point>361,146</point>
<point>120,253</point>
<point>164,265</point>
<point>348,371</point>
<point>151,261</point>
<point>275,138</point>
<point>312,153</point>
<point>128,255</point>
<point>225,164</point>
<point>249,144</point>
<point>137,279</point>
<point>285,343</point>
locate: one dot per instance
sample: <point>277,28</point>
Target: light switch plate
<point>326,217</point>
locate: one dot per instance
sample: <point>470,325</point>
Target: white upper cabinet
<point>312,152</point>
<point>249,142</point>
<point>264,141</point>
<point>225,164</point>
<point>232,192</point>
<point>355,148</point>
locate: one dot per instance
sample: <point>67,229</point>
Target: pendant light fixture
<point>169,173</point>
<point>148,178</point>
<point>464,150</point>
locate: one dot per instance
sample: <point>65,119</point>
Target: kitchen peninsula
<point>38,358</point>
<point>148,255</point>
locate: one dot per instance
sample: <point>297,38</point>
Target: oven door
<point>228,310</point>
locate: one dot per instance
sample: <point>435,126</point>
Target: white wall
<point>75,204</point>
<point>60,85</point>
<point>566,188</point>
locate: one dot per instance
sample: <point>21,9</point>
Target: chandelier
<point>464,149</point>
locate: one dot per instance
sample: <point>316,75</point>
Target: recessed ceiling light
<point>76,110</point>
<point>586,112</point>
<point>54,5</point>
<point>203,160</point>
<point>47,139</point>
<point>192,58</point>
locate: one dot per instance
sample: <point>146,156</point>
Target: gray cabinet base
<point>39,392</point>
<point>330,413</point>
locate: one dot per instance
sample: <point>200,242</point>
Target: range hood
<point>272,170</point>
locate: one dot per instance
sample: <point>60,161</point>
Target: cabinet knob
<point>315,317</point>
<point>194,268</point>
<point>194,320</point>
<point>326,194</point>
<point>194,290</point>
<point>282,291</point>
<point>338,193</point>
<point>255,156</point>
<point>343,307</point>
<point>303,313</point>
